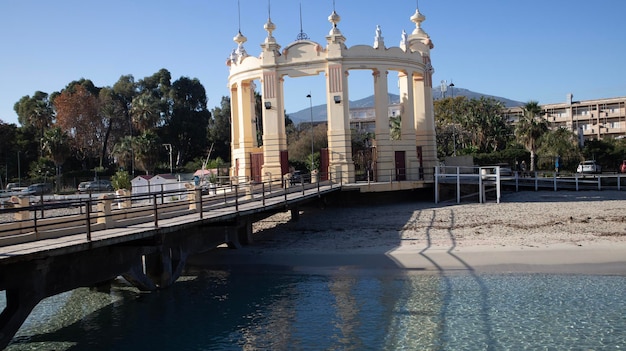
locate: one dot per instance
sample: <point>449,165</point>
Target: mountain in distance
<point>318,112</point>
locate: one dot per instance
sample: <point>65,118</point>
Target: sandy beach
<point>562,232</point>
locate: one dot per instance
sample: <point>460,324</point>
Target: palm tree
<point>55,144</point>
<point>146,151</point>
<point>144,112</point>
<point>530,127</point>
<point>123,152</point>
<point>395,127</point>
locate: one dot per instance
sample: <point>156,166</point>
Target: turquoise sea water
<point>270,308</point>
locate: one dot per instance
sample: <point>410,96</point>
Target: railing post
<point>237,198</point>
<point>263,191</point>
<point>498,181</point>
<point>156,210</point>
<point>199,192</point>
<point>555,181</point>
<point>436,184</point>
<point>318,185</point>
<point>599,183</point>
<point>458,185</point>
<point>480,186</point>
<point>618,182</point>
<point>41,202</point>
<point>104,211</point>
<point>35,223</point>
<point>21,202</point>
<point>536,182</point>
<point>88,216</point>
<point>576,179</point>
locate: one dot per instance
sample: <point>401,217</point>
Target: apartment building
<point>589,119</point>
<point>364,118</point>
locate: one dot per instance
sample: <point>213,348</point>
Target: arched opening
<point>306,127</point>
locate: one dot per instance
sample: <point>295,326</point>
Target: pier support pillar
<point>104,211</point>
<point>295,214</point>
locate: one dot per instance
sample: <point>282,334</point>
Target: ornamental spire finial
<point>302,35</point>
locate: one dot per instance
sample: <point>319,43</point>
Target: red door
<point>256,162</point>
<point>400,166</point>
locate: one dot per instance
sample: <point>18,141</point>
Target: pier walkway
<point>53,247</point>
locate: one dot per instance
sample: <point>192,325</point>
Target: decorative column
<point>420,42</point>
<point>273,126</point>
<point>339,134</point>
<point>274,135</point>
<point>385,163</point>
<point>244,141</point>
<point>408,108</point>
<point>425,123</point>
<point>234,129</point>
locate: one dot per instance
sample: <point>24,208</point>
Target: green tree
<point>56,147</point>
<point>530,127</point>
<point>146,148</point>
<point>145,112</point>
<point>485,121</point>
<point>9,148</point>
<point>395,127</point>
<point>154,107</point>
<point>452,138</point>
<point>186,130</point>
<point>41,170</point>
<point>123,152</point>
<point>563,143</point>
<point>258,118</point>
<point>35,112</point>
<point>469,126</point>
<point>121,180</point>
<point>300,149</point>
<point>112,114</point>
<point>219,130</point>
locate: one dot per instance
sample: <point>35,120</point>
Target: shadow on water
<point>198,312</point>
<point>449,285</point>
<point>234,303</point>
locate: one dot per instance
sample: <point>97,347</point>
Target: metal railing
<point>493,176</point>
<point>39,220</point>
<point>482,176</point>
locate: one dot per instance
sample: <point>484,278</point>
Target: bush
<point>121,180</point>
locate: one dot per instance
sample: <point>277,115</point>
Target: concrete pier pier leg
<point>19,304</point>
<point>295,214</point>
<point>245,233</point>
<point>232,237</point>
<point>138,278</point>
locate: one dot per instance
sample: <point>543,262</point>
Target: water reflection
<point>265,308</point>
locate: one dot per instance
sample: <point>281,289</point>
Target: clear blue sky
<point>522,50</point>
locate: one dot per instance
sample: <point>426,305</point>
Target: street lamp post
<point>311,112</point>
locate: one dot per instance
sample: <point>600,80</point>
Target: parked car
<point>505,170</point>
<point>95,186</point>
<point>296,177</point>
<point>38,189</point>
<point>14,187</point>
<point>588,167</point>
